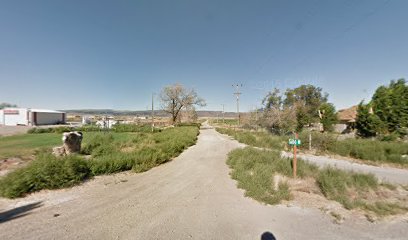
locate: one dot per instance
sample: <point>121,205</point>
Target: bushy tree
<point>279,121</point>
<point>387,113</point>
<point>273,100</point>
<point>296,108</point>
<point>307,100</point>
<point>367,123</point>
<point>390,104</point>
<point>328,116</point>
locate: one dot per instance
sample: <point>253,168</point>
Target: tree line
<point>292,110</point>
<point>386,114</point>
<point>297,108</point>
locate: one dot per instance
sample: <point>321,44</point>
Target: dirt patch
<point>127,149</point>
<point>9,164</point>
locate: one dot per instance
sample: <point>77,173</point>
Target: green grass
<point>255,169</point>
<point>110,153</point>
<point>25,145</point>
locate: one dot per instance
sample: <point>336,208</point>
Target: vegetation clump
<point>387,113</point>
<point>45,172</point>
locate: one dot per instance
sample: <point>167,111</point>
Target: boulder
<point>71,144</point>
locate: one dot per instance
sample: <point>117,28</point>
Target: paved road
<point>387,174</point>
<point>191,197</point>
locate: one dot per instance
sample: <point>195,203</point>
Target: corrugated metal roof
<point>44,110</point>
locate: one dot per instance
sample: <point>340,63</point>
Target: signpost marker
<point>294,142</point>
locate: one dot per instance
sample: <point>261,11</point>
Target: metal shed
<point>30,117</point>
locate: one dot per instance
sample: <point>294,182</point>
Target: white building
<point>30,117</point>
<point>106,123</point>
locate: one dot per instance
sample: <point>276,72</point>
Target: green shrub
<point>98,144</point>
<point>134,128</point>
<point>46,172</point>
<point>373,150</point>
<point>335,184</point>
<point>88,128</point>
<point>191,124</point>
<point>111,163</point>
<point>62,129</point>
<point>40,130</point>
<point>320,141</point>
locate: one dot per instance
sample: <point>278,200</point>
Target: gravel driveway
<point>387,174</point>
<point>191,197</point>
<point>13,130</point>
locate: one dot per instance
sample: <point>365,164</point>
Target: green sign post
<point>295,143</point>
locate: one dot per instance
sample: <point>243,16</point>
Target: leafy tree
<point>390,104</point>
<point>6,105</point>
<point>307,100</point>
<point>367,123</point>
<point>298,107</point>
<point>174,98</point>
<point>328,116</point>
<point>273,100</point>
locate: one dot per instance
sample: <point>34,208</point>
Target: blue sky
<point>114,54</point>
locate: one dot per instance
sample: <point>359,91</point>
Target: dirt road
<point>385,174</point>
<point>191,197</point>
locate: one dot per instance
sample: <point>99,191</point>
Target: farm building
<point>30,117</point>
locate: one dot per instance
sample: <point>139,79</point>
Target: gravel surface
<point>191,197</point>
<point>13,130</point>
<point>386,174</point>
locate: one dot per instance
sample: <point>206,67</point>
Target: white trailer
<point>30,117</point>
<point>15,116</point>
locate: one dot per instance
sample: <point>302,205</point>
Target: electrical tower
<point>237,93</point>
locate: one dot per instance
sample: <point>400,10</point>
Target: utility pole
<point>223,114</point>
<point>237,93</point>
<point>256,118</point>
<point>152,112</point>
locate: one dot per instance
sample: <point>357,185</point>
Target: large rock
<point>71,144</point>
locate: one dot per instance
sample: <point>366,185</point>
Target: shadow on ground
<point>18,212</point>
<point>267,236</point>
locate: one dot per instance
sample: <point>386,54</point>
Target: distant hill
<point>158,113</point>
